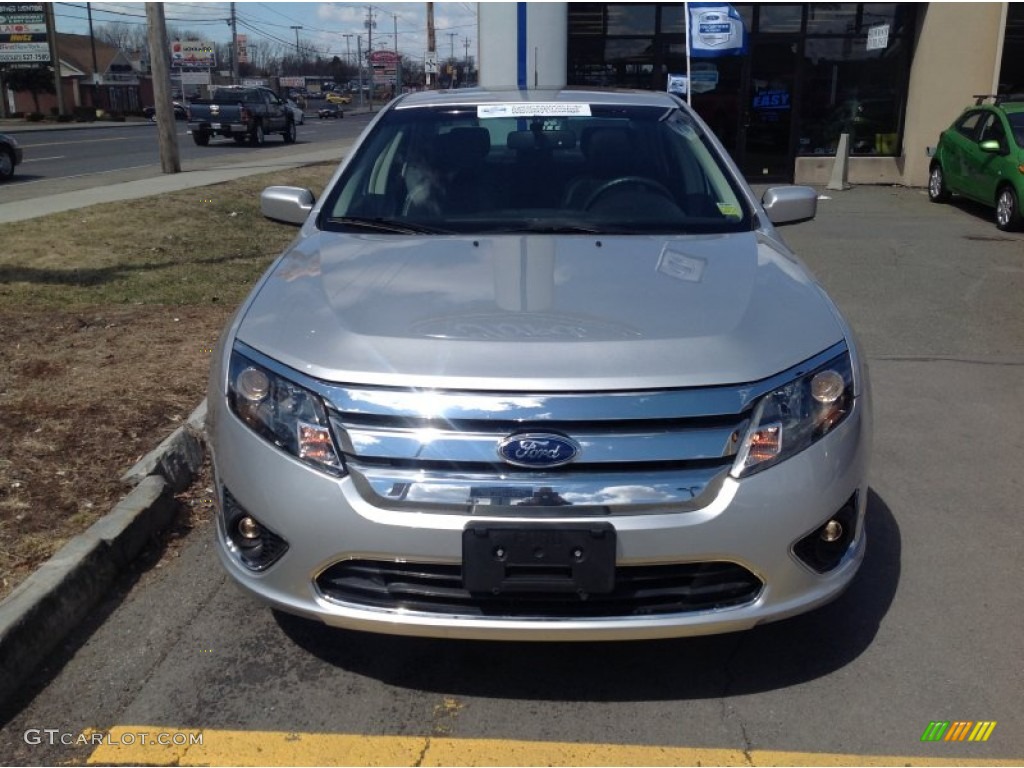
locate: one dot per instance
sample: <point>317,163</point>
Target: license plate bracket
<point>511,558</point>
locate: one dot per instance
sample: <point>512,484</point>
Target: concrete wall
<point>956,56</point>
<point>537,32</point>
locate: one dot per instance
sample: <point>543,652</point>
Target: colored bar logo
<point>958,730</point>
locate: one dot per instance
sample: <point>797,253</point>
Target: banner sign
<point>193,54</point>
<point>715,29</point>
<point>23,33</point>
<point>243,49</point>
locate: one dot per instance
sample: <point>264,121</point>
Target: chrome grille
<point>640,590</point>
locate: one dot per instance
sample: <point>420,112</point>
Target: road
<point>931,629</point>
<point>68,160</point>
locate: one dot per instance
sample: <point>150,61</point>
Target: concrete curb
<point>53,600</point>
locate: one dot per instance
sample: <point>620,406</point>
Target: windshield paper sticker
<point>533,110</point>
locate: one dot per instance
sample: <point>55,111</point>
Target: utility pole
<point>370,24</point>
<point>92,43</point>
<point>170,161</point>
<point>451,60</point>
<point>298,52</point>
<point>431,41</point>
<point>359,54</point>
<point>234,47</point>
<point>348,48</point>
<point>465,71</point>
<point>51,29</point>
<point>398,59</point>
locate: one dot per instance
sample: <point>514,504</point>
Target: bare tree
<point>124,37</point>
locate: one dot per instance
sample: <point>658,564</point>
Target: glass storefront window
<point>631,19</point>
<point>673,19</point>
<point>779,18</point>
<point>832,19</point>
<point>850,89</point>
<point>586,18</point>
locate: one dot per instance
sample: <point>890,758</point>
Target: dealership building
<point>891,76</point>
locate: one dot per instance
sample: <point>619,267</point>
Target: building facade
<point>890,75</point>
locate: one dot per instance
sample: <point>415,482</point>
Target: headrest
<point>463,146</point>
<point>541,140</point>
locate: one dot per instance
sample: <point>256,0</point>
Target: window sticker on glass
<point>533,110</point>
<point>727,209</point>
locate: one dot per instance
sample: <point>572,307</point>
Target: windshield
<point>608,169</point>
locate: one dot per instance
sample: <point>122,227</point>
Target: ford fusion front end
<point>513,416</point>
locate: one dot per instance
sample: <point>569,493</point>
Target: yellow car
<point>337,98</point>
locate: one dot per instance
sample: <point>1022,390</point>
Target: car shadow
<point>766,658</point>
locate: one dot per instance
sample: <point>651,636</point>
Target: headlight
<point>283,413</point>
<point>796,415</point>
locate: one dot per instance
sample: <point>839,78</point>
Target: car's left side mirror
<point>790,205</point>
<point>290,205</point>
<point>991,145</point>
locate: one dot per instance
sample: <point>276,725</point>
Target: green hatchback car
<point>981,156</point>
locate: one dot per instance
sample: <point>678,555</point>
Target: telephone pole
<point>234,47</point>
<point>431,42</point>
<point>348,48</point>
<point>156,29</point>
<point>370,24</point>
<point>451,60</point>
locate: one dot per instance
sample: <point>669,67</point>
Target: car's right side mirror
<point>290,205</point>
<point>991,145</point>
<point>790,205</point>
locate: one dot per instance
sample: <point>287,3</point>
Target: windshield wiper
<point>553,227</point>
<point>387,225</point>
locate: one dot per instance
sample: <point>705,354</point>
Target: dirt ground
<point>88,393</point>
<point>105,343</point>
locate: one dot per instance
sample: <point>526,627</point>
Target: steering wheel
<point>612,184</point>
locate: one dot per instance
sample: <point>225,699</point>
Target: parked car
<point>338,98</point>
<point>298,114</point>
<point>242,113</point>
<point>330,111</point>
<point>10,156</point>
<point>981,156</point>
<point>180,111</point>
<point>538,365</point>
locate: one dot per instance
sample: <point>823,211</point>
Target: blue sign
<point>715,29</point>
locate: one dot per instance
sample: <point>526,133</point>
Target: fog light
<point>824,548</point>
<point>249,528</point>
<point>252,543</point>
<point>832,531</point>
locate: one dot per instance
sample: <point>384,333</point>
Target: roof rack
<point>997,98</point>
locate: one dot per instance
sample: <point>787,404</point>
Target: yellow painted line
<point>123,746</point>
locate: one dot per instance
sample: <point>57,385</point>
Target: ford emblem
<point>538,451</point>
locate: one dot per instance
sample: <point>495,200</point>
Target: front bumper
<point>754,522</point>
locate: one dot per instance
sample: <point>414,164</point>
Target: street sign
<point>430,62</point>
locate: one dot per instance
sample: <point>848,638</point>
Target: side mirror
<point>991,145</point>
<point>790,205</point>
<point>290,205</point>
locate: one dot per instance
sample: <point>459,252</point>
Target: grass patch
<point>109,316</point>
<point>197,246</point>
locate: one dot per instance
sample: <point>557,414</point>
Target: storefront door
<point>766,144</point>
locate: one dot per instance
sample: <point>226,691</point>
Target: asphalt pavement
<point>111,189</point>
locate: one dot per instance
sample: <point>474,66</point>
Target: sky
<point>323,24</point>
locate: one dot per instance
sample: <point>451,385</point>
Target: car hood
<point>539,312</point>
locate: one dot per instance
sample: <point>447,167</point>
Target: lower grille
<point>643,590</point>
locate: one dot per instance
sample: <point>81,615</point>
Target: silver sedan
<point>540,367</point>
